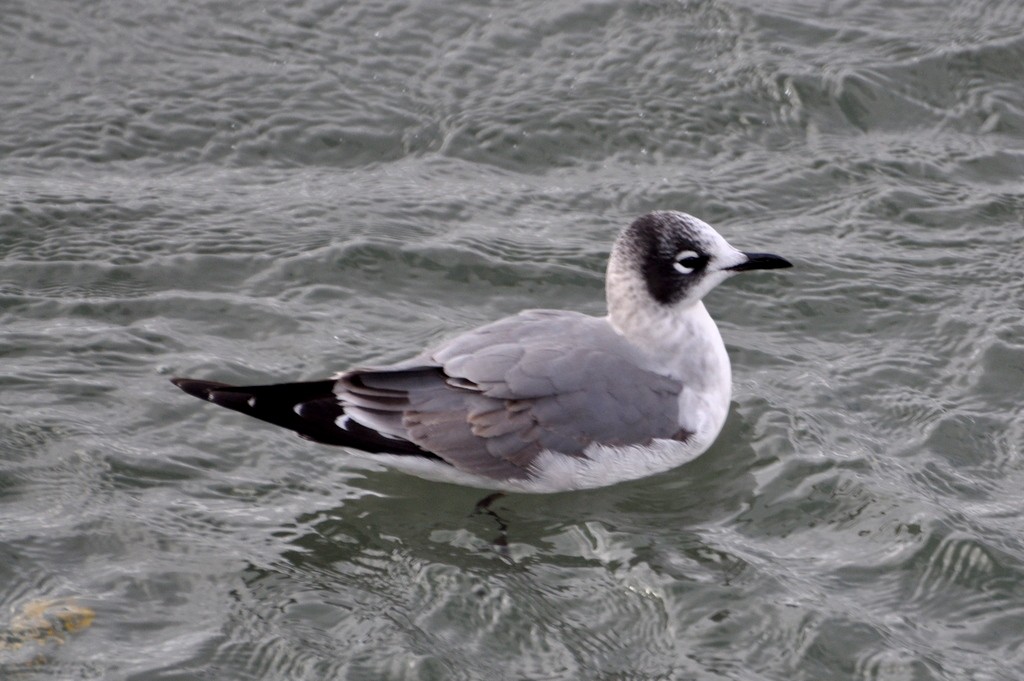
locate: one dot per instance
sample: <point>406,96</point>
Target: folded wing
<point>488,402</point>
<point>492,400</point>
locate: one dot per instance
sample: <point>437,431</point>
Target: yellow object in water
<point>44,621</point>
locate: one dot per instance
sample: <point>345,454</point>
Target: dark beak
<point>761,261</point>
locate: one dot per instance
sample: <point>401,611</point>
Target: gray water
<point>261,192</point>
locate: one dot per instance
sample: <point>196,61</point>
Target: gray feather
<point>493,399</point>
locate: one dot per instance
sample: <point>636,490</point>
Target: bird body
<point>545,400</point>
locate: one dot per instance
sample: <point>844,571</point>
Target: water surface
<point>250,192</point>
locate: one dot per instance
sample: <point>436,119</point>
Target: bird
<point>544,400</point>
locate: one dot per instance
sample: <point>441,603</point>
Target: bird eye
<point>688,261</point>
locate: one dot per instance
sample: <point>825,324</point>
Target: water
<point>251,192</point>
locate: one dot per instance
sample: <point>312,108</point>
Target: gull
<point>544,400</point>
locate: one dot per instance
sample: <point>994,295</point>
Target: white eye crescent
<point>686,262</point>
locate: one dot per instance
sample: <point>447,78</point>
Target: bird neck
<point>655,327</point>
<point>685,340</point>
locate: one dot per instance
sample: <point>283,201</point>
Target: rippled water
<point>258,192</point>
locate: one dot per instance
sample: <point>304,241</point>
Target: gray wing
<point>489,401</point>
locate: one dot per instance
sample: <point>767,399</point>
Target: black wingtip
<point>200,389</point>
<point>317,419</point>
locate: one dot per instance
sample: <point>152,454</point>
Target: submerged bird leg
<point>500,542</point>
<point>484,505</point>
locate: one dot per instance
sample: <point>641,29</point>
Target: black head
<point>681,258</point>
